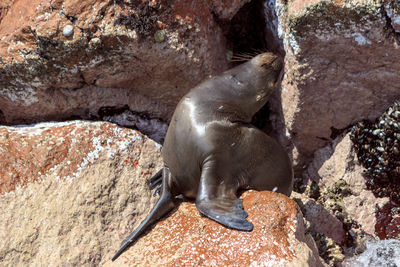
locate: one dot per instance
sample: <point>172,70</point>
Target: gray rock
<point>68,30</point>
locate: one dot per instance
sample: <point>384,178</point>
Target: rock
<point>336,52</point>
<point>328,165</point>
<point>226,9</point>
<point>343,165</point>
<point>68,30</point>
<point>361,207</point>
<point>321,219</point>
<point>111,59</point>
<point>392,11</point>
<point>388,221</point>
<point>153,128</point>
<point>69,192</point>
<point>4,7</point>
<point>378,253</point>
<point>186,238</point>
<point>346,208</point>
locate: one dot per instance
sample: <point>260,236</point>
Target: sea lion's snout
<point>271,61</point>
<point>272,65</point>
<point>277,64</point>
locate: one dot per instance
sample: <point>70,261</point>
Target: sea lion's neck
<point>234,102</point>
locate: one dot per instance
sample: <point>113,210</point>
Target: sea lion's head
<point>254,81</point>
<point>269,68</point>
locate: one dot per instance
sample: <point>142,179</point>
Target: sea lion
<point>211,150</point>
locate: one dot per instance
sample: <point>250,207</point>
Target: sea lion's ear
<point>272,84</point>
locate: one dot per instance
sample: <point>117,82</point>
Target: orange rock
<point>111,56</point>
<point>78,188</point>
<point>187,239</point>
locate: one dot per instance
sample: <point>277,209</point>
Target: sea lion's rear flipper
<point>156,181</point>
<point>216,199</point>
<point>165,203</point>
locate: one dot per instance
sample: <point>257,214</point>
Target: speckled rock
<point>343,197</point>
<point>226,9</point>
<point>111,58</point>
<point>330,163</point>
<point>4,7</point>
<point>342,66</point>
<point>340,163</point>
<point>187,239</point>
<point>392,11</point>
<point>321,219</point>
<point>69,191</point>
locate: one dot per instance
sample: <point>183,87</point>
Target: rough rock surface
<point>70,191</point>
<point>321,220</point>
<point>340,163</point>
<point>377,253</point>
<point>342,66</point>
<point>226,9</point>
<point>185,238</point>
<point>343,196</point>
<point>110,58</point>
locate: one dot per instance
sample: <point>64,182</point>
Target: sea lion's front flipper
<point>228,213</point>
<point>165,203</point>
<point>216,199</point>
